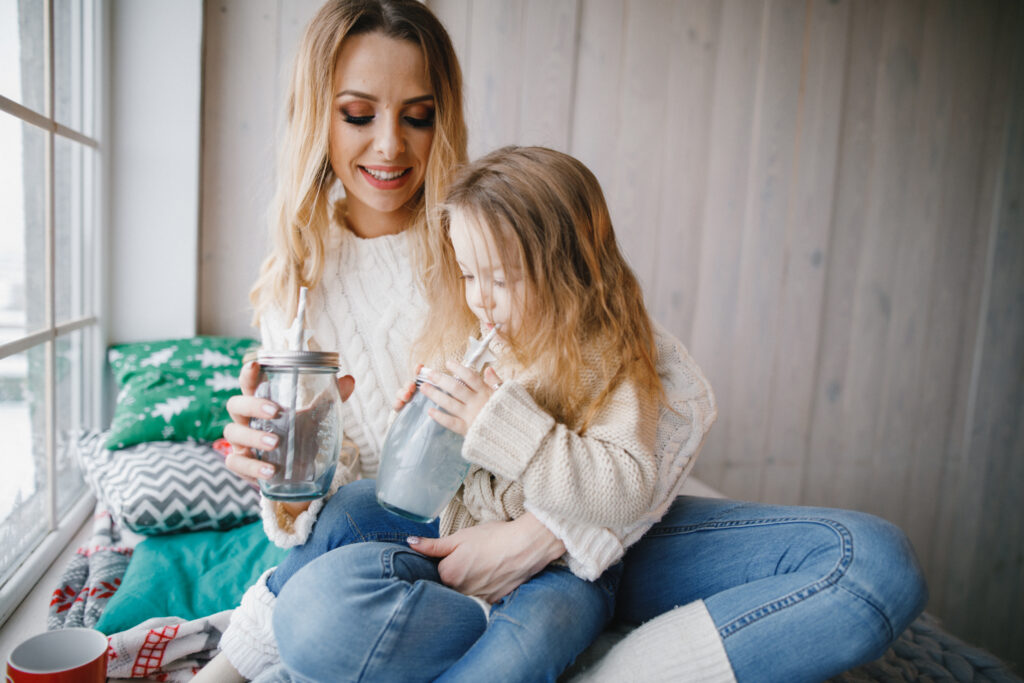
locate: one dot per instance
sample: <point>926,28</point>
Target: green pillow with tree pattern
<point>175,389</point>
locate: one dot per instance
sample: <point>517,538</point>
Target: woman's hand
<point>464,399</point>
<point>241,436</point>
<point>491,560</point>
<point>244,439</point>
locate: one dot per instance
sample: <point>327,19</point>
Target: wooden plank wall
<point>249,46</point>
<point>821,197</point>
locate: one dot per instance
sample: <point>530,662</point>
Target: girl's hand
<point>491,560</point>
<point>404,395</point>
<point>244,439</point>
<point>464,399</point>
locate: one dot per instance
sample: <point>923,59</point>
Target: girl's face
<point>494,294</point>
<point>382,125</point>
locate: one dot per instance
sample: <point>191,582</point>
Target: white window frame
<point>60,530</point>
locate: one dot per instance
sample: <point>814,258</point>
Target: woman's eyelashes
<point>425,122</point>
<point>357,120</point>
<point>417,120</point>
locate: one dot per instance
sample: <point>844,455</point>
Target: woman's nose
<point>389,143</point>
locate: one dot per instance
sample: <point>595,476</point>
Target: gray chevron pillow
<point>159,487</point>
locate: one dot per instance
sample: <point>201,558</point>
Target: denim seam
<point>872,605</point>
<point>387,569</point>
<point>390,536</point>
<point>355,527</point>
<point>794,597</point>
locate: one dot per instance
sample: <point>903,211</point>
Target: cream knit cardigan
<point>368,308</point>
<point>604,477</point>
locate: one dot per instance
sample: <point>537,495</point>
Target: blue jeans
<point>797,593</point>
<point>356,603</point>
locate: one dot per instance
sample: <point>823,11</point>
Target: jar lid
<point>299,359</point>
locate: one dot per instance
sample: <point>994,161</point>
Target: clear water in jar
<point>421,464</point>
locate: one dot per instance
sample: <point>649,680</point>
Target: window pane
<point>74,398</point>
<point>74,58</point>
<point>74,166</point>
<point>23,508</point>
<point>22,230</point>
<point>21,52</point>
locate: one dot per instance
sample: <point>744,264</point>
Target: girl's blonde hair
<point>299,217</point>
<point>550,225</point>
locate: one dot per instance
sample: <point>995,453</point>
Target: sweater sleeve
<point>603,477</point>
<point>681,433</point>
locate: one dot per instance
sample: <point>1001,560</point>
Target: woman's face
<point>382,125</point>
<point>495,294</point>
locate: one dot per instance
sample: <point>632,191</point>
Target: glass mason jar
<point>421,465</point>
<point>308,426</point>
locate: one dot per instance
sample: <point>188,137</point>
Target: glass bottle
<point>421,464</point>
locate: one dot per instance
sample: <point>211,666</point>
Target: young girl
<point>565,418</point>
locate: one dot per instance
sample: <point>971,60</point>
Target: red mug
<point>71,655</point>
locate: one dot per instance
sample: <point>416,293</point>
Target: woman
<point>729,590</point>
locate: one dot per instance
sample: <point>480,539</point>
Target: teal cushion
<point>175,389</point>
<point>189,575</point>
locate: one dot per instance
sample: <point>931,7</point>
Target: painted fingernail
<point>269,440</point>
<point>269,408</point>
<point>266,471</point>
<point>413,540</point>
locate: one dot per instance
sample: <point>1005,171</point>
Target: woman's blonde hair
<point>550,225</point>
<point>300,217</point>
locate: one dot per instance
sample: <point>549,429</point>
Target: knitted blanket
<point>925,652</point>
<point>92,576</point>
<point>166,648</point>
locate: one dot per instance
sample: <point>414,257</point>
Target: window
<point>50,338</point>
